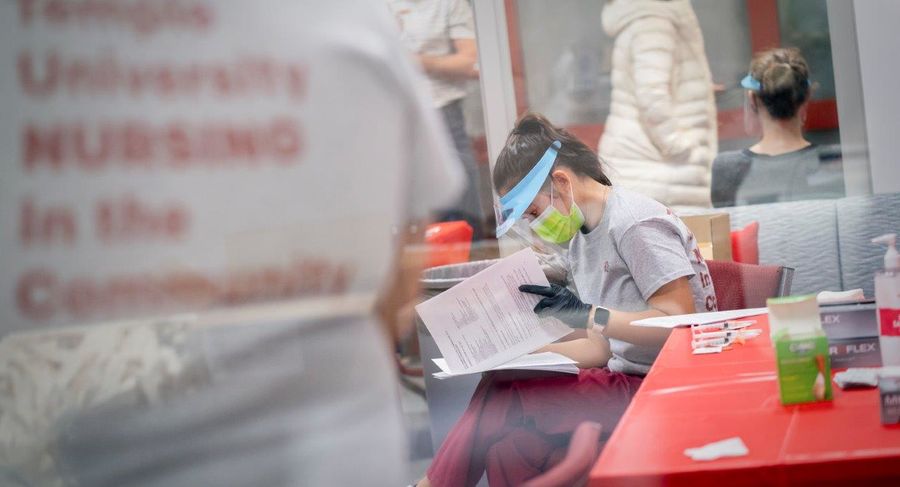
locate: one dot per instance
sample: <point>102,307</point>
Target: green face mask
<point>554,227</point>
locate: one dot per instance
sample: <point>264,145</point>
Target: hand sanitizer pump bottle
<point>887,300</point>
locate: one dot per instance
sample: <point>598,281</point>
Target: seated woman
<point>783,165</point>
<point>629,258</point>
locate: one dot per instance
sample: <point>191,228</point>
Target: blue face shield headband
<point>514,203</point>
<point>753,84</point>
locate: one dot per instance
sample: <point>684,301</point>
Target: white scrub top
<point>296,137</point>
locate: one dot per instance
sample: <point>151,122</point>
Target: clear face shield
<point>512,224</point>
<point>751,118</point>
<point>553,257</point>
<point>514,204</point>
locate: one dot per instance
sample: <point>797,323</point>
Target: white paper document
<point>699,318</point>
<point>545,361</point>
<point>485,321</point>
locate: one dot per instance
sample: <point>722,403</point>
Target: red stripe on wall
<point>516,56</point>
<point>822,115</point>
<point>589,134</point>
<point>765,30</point>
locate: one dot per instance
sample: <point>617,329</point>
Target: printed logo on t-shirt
<point>698,255</point>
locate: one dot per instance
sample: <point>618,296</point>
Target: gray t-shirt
<point>747,178</point>
<point>639,246</point>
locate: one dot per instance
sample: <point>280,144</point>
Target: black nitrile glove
<point>560,303</point>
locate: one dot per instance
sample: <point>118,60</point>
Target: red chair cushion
<point>745,244</point>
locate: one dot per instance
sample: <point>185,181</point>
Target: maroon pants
<point>516,429</point>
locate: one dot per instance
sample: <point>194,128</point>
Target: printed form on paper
<point>485,321</point>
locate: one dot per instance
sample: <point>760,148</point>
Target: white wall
<point>497,92</point>
<point>879,42</point>
<point>848,94</point>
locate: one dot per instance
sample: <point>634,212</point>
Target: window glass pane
<point>566,60</point>
<point>804,25</point>
<point>566,57</point>
<point>726,36</point>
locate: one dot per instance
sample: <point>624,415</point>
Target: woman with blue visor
<point>629,257</point>
<point>783,165</point>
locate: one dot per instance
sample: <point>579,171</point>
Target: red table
<point>690,400</point>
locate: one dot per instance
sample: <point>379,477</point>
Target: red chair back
<point>573,470</point>
<point>740,286</point>
<point>449,242</point>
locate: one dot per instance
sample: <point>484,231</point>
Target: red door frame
<point>762,17</point>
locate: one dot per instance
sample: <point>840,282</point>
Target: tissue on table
<point>864,377</point>
<point>840,297</point>
<point>731,447</point>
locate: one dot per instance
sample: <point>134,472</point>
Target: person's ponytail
<point>529,139</point>
<point>784,81</point>
<point>777,78</point>
<point>530,124</point>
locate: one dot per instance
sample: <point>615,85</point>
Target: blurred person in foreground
<point>299,392</point>
<point>441,36</point>
<point>783,165</point>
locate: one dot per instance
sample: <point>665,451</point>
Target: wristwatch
<point>601,316</point>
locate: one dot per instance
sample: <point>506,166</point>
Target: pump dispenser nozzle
<point>891,258</point>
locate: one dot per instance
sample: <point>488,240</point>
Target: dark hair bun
<point>784,81</point>
<point>778,78</point>
<point>531,123</point>
<point>528,142</point>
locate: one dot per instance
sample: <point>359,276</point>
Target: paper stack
<point>485,322</point>
<point>544,361</point>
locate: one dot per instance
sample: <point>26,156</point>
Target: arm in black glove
<point>561,303</point>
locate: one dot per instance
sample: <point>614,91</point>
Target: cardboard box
<point>713,233</point>
<point>852,331</point>
<point>848,321</point>
<point>854,352</point>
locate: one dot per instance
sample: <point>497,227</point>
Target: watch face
<point>601,316</point>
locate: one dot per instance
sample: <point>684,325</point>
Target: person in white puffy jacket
<point>660,137</point>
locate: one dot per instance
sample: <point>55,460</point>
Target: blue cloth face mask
<point>514,203</point>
